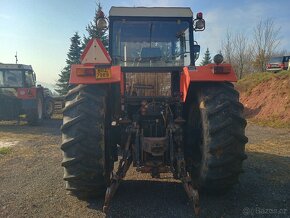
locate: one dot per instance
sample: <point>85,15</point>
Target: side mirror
<point>196,51</point>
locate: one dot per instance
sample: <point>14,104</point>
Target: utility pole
<point>16,58</point>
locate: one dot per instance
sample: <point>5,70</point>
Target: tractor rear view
<point>19,95</point>
<point>146,101</point>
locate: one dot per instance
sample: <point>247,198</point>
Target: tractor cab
<point>153,38</point>
<point>152,45</point>
<point>16,76</point>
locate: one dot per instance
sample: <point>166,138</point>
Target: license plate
<point>103,73</point>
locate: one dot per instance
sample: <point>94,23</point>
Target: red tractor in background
<point>20,97</point>
<point>146,100</point>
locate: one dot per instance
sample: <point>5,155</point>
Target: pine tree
<point>73,57</point>
<point>206,59</point>
<point>94,32</point>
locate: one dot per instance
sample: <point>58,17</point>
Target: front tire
<point>216,137</point>
<point>83,141</point>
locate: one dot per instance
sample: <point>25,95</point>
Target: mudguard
<point>207,73</point>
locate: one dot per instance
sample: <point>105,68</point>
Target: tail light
<point>85,71</point>
<point>221,70</point>
<point>21,92</point>
<point>199,15</point>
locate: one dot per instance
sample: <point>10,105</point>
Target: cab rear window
<point>276,60</point>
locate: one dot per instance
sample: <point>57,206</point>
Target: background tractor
<point>146,100</point>
<point>20,97</point>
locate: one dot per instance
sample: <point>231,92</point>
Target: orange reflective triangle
<point>95,53</point>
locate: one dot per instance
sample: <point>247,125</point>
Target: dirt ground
<point>31,182</point>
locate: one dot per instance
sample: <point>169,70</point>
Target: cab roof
<point>15,66</point>
<point>150,12</point>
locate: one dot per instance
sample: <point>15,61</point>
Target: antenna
<point>16,58</point>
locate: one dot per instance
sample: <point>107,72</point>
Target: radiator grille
<point>148,84</point>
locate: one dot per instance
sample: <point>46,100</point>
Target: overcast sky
<point>39,30</point>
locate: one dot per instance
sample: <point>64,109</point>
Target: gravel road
<point>31,182</point>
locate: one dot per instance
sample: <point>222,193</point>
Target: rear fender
<point>207,73</point>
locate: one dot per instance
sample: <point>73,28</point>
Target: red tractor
<point>20,97</point>
<point>146,101</point>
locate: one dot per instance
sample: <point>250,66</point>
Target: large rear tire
<point>83,141</point>
<point>216,137</point>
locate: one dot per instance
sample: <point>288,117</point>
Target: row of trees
<point>249,53</point>
<point>76,48</point>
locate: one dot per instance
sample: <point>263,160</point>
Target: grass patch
<point>271,122</point>
<point>251,81</point>
<point>5,150</point>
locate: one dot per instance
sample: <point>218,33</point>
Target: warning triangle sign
<point>95,53</point>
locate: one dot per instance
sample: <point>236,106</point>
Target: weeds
<point>5,150</point>
<point>271,122</point>
<point>251,81</point>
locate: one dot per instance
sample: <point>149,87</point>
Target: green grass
<point>5,150</point>
<point>252,80</point>
<point>271,122</point>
